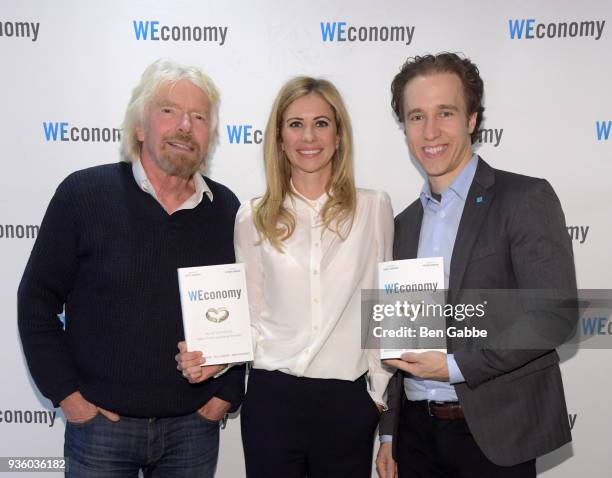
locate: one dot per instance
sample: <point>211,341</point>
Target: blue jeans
<point>176,447</point>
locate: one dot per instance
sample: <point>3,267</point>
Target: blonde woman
<point>310,245</point>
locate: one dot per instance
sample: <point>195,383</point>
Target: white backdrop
<point>548,106</point>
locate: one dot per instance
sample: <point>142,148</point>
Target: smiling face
<point>176,129</point>
<point>438,127</point>
<point>310,137</point>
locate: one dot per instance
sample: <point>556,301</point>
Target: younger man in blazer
<point>476,413</point>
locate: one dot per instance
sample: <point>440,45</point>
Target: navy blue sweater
<point>109,253</point>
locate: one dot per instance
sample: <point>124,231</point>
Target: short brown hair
<point>473,87</point>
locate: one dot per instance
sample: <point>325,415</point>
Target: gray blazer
<point>512,235</point>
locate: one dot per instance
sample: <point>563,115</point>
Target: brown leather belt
<point>443,410</point>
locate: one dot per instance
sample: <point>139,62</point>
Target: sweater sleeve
<point>231,387</point>
<point>231,383</point>
<point>46,282</point>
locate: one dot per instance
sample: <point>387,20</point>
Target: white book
<point>424,276</point>
<point>216,312</point>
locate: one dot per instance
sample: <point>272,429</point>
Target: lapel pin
<point>479,199</point>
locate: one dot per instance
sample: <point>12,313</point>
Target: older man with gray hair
<point>107,255</point>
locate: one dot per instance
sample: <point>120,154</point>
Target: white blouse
<point>305,303</point>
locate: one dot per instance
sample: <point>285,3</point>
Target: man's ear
<point>140,133</point>
<point>472,122</point>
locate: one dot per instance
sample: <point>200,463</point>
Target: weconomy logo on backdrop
<point>153,30</point>
<point>345,32</point>
<point>36,417</point>
<point>62,131</point>
<point>243,134</point>
<point>603,128</point>
<point>530,29</point>
<point>595,325</point>
<point>490,136</point>
<point>19,29</point>
<point>578,233</point>
<point>19,231</point>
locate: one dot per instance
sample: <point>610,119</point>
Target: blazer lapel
<point>477,203</point>
<point>406,246</point>
<point>414,234</point>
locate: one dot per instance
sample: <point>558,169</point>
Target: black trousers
<point>294,427</point>
<point>429,447</point>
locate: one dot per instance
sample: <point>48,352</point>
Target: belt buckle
<point>429,408</point>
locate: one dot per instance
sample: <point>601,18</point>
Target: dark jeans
<point>430,447</point>
<point>177,447</point>
<point>294,427</point>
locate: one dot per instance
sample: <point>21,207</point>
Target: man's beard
<point>177,163</point>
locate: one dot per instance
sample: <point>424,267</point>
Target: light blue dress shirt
<point>438,232</point>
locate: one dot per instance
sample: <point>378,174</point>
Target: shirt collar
<point>316,204</point>
<point>460,185</point>
<point>145,185</point>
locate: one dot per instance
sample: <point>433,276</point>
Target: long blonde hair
<point>272,219</point>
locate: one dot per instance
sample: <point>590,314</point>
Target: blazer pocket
<point>544,362</point>
<point>480,252</point>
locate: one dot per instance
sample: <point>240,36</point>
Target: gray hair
<point>158,73</point>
